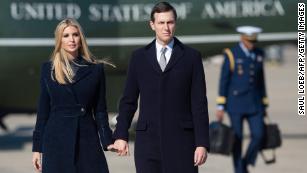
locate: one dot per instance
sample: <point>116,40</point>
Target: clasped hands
<point>120,146</point>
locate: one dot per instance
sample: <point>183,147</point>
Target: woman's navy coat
<point>173,118</point>
<point>68,121</point>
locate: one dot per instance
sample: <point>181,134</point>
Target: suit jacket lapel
<point>242,53</point>
<point>177,53</point>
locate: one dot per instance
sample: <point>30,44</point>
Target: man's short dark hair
<point>162,7</point>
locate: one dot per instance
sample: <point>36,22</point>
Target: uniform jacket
<point>242,89</point>
<point>173,117</point>
<point>68,121</point>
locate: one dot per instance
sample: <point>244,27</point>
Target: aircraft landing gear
<point>3,126</point>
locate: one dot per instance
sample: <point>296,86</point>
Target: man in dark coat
<point>242,94</point>
<point>172,129</point>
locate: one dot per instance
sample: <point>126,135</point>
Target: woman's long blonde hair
<point>63,72</point>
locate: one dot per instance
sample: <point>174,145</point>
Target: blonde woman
<point>72,108</point>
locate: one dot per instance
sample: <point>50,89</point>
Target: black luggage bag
<point>221,138</point>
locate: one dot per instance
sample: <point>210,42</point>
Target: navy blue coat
<point>173,117</point>
<point>242,89</point>
<point>68,121</point>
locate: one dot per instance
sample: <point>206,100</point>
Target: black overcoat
<point>173,117</point>
<point>68,121</point>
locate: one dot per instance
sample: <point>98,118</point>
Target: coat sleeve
<point>224,83</point>
<point>128,103</point>
<point>43,110</point>
<point>100,113</point>
<point>199,105</point>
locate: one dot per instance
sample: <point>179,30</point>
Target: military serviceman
<point>242,94</point>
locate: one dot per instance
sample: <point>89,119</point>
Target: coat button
<point>252,73</point>
<point>251,80</point>
<point>82,109</point>
<point>235,92</point>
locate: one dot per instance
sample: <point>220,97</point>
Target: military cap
<point>249,32</point>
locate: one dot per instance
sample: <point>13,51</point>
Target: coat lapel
<point>151,56</point>
<point>83,71</point>
<point>177,53</point>
<point>81,74</point>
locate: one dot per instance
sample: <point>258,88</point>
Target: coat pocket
<point>141,126</point>
<point>187,124</point>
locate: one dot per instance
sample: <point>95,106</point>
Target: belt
<point>70,111</point>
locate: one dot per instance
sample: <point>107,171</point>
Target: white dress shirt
<point>168,52</point>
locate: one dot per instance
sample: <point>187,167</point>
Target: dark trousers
<point>256,126</point>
